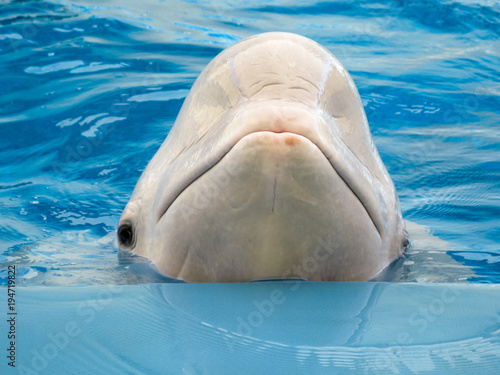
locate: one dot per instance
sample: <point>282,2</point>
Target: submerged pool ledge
<point>268,328</point>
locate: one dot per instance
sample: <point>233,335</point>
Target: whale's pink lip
<point>215,162</point>
<point>278,130</point>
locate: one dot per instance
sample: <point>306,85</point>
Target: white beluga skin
<point>269,172</point>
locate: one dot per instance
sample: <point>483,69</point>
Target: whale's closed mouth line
<point>208,166</point>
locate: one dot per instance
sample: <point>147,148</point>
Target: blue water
<point>90,89</point>
<point>314,328</point>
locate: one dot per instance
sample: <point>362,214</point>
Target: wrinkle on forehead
<point>278,69</point>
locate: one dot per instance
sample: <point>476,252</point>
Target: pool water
<point>90,90</point>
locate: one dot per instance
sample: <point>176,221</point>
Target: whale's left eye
<point>126,235</point>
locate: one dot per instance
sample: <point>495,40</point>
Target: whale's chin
<point>272,208</point>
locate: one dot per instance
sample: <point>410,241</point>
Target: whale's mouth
<point>202,168</point>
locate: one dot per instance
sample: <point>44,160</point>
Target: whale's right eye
<point>126,235</point>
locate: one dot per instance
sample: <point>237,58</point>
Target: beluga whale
<point>269,172</point>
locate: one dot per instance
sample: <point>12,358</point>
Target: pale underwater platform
<point>257,328</point>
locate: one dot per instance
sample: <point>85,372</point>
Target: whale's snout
<point>257,224</point>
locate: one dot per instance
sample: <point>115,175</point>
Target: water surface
<point>90,90</point>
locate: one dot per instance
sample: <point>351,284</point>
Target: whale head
<point>269,172</point>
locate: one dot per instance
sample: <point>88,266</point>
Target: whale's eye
<point>126,235</point>
<point>406,243</point>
